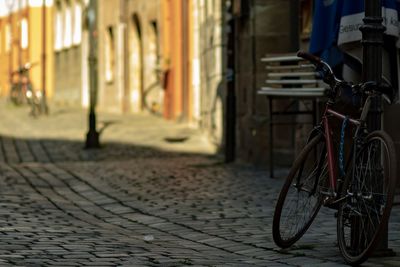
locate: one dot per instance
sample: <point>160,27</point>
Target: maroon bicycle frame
<point>328,136</point>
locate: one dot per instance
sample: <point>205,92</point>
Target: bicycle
<point>22,92</point>
<point>360,185</point>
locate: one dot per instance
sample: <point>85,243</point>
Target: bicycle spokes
<point>368,197</point>
<point>300,200</point>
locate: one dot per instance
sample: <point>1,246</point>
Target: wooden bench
<point>290,78</point>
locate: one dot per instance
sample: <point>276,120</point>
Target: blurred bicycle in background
<point>22,91</point>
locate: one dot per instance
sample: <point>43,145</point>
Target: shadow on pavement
<point>20,150</point>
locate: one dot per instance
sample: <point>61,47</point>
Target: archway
<point>135,66</point>
<point>153,92</point>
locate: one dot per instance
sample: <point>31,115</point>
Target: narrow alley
<point>153,195</point>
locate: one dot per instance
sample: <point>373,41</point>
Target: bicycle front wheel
<point>368,196</point>
<point>300,198</point>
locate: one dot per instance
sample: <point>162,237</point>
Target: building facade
<point>26,37</point>
<point>163,57</point>
<point>129,56</point>
<point>209,66</point>
<point>193,63</point>
<point>70,48</point>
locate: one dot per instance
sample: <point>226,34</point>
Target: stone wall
<point>212,57</point>
<point>266,29</point>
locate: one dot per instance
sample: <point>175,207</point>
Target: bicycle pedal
<point>332,205</point>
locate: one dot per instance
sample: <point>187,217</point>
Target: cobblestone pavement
<point>154,195</point>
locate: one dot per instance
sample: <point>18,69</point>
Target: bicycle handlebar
<point>25,68</point>
<point>327,73</point>
<point>329,77</point>
<point>310,57</point>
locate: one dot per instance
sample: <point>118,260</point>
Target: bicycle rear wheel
<point>300,198</point>
<point>368,193</point>
<point>16,95</point>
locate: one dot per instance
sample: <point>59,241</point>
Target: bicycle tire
<point>35,105</point>
<point>15,95</point>
<point>365,212</point>
<point>307,187</point>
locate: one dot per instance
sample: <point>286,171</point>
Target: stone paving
<point>154,195</point>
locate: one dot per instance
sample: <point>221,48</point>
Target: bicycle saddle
<point>387,91</point>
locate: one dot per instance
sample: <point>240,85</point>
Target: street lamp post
<point>230,111</point>
<point>18,39</point>
<point>372,41</point>
<point>43,103</point>
<point>92,137</point>
<point>10,6</point>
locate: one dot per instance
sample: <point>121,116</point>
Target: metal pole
<point>19,18</point>
<point>372,34</point>
<point>294,21</point>
<point>10,5</point>
<point>92,137</point>
<point>185,60</point>
<point>230,111</point>
<point>372,41</point>
<point>43,103</point>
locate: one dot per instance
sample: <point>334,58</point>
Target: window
<point>1,39</point>
<point>306,9</point>
<point>8,37</point>
<point>24,33</point>
<point>58,35</point>
<point>109,54</point>
<point>67,26</point>
<point>77,34</point>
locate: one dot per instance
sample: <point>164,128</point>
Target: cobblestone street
<point>153,195</point>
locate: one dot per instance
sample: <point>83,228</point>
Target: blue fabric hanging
<point>336,22</point>
<point>325,29</point>
<point>352,14</point>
